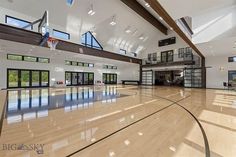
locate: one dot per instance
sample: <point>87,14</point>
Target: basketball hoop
<point>52,43</point>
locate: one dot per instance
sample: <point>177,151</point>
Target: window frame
<point>233,59</point>
<point>23,58</point>
<point>38,58</point>
<point>32,57</point>
<point>92,37</point>
<point>123,50</point>
<point>15,55</point>
<point>55,30</point>
<point>18,19</point>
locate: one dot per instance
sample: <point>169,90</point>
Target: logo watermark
<point>38,148</point>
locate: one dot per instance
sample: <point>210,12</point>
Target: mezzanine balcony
<point>173,60</point>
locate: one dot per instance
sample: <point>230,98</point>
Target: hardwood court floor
<point>124,121</point>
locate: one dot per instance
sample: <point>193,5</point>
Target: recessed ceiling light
<point>69,2</point>
<point>147,5</point>
<point>113,21</point>
<point>141,37</point>
<point>91,11</point>
<point>127,142</point>
<point>94,33</point>
<point>127,30</point>
<point>161,18</point>
<point>171,28</point>
<point>111,154</point>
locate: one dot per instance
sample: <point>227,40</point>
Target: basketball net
<point>52,43</point>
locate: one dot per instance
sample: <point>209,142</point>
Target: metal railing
<point>172,59</point>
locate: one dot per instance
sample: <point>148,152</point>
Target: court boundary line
<point>206,143</point>
<point>121,129</point>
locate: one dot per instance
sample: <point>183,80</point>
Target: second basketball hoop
<point>52,43</point>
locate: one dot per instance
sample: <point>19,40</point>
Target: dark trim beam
<point>186,25</point>
<point>169,64</point>
<point>156,6</point>
<point>140,10</point>
<point>29,37</point>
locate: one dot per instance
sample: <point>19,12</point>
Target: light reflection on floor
<point>68,119</point>
<point>35,103</point>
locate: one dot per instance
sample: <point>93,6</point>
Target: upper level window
<point>122,51</point>
<point>90,41</point>
<point>134,54</point>
<point>69,2</point>
<point>61,35</point>
<point>18,22</point>
<point>232,59</point>
<point>16,57</point>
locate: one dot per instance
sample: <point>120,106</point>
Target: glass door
<point>232,78</point>
<point>68,78</point>
<point>20,78</point>
<point>104,76</point>
<point>35,75</point>
<point>111,78</point>
<point>91,79</point>
<point>80,78</point>
<point>163,57</point>
<point>44,78</point>
<point>115,78</point>
<point>86,79</point>
<point>25,78</point>
<point>13,78</point>
<point>108,79</point>
<point>74,78</point>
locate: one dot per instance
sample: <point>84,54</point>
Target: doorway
<point>232,77</point>
<point>109,78</point>
<point>169,78</point>
<point>22,78</point>
<point>79,78</point>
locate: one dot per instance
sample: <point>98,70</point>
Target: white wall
<point>57,65</point>
<point>214,76</point>
<point>180,43</point>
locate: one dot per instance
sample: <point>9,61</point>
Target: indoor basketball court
<point>117,78</point>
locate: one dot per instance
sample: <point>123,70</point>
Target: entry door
<point>74,78</point>
<point>21,78</point>
<point>44,79</point>
<point>80,78</point>
<point>25,78</point>
<point>35,76</point>
<point>91,79</point>
<point>68,78</point>
<point>110,78</point>
<point>13,79</point>
<point>167,56</point>
<point>147,77</point>
<point>86,79</point>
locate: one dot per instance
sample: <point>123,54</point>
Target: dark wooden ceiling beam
<point>156,6</point>
<point>28,37</point>
<point>140,10</point>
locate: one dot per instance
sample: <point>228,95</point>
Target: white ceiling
<point>182,8</point>
<point>213,22</point>
<point>75,20</point>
